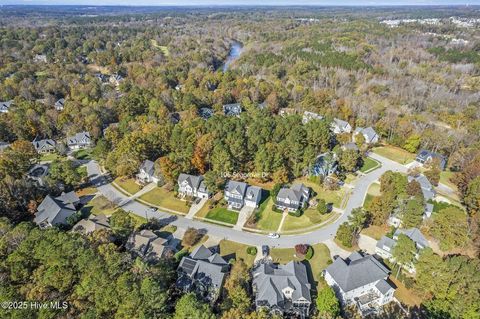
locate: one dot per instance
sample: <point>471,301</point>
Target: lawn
<point>223,215</point>
<point>404,295</point>
<point>395,154</point>
<point>375,232</point>
<point>446,177</point>
<point>138,220</point>
<point>99,205</point>
<point>161,197</point>
<point>369,165</point>
<point>230,249</point>
<point>373,190</point>
<point>333,197</point>
<point>84,154</point>
<point>319,261</point>
<point>268,219</point>
<point>49,157</point>
<point>128,185</point>
<point>86,191</point>
<point>310,217</point>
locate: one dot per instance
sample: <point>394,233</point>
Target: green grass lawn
<point>128,184</point>
<point>319,261</point>
<point>310,217</point>
<point>369,165</point>
<point>50,157</point>
<point>375,232</point>
<point>350,178</point>
<point>395,154</point>
<point>267,218</point>
<point>99,205</point>
<point>446,177</point>
<point>230,249</point>
<point>84,154</point>
<point>334,197</point>
<point>223,215</point>
<point>373,190</point>
<point>161,197</point>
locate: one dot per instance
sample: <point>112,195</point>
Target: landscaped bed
<point>369,165</point>
<point>128,185</point>
<point>161,197</point>
<point>395,154</point>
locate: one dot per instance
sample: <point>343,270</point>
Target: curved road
<point>356,198</point>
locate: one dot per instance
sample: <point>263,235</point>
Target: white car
<point>273,235</point>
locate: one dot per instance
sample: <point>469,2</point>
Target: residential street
<point>320,235</point>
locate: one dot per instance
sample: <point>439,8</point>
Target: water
<point>235,51</point>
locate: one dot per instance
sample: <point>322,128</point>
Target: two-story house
<point>150,247</point>
<point>340,126</point>
<point>360,280</point>
<point>371,137</point>
<point>44,146</point>
<point>193,186</point>
<point>282,289</point>
<point>147,173</point>
<point>292,198</point>
<point>239,194</point>
<point>79,140</point>
<point>56,211</point>
<point>425,157</point>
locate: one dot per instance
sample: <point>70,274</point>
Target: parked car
<point>265,250</point>
<point>153,209</point>
<point>273,235</point>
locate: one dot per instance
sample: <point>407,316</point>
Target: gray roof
<point>270,280</point>
<point>205,113</point>
<point>5,106</point>
<point>236,187</point>
<point>3,146</point>
<point>46,144</point>
<point>386,242</point>
<point>308,116</point>
<point>297,192</point>
<point>201,252</point>
<point>356,271</point>
<point>414,234</point>
<point>82,138</point>
<point>60,104</point>
<point>55,210</point>
<point>192,180</point>
<point>254,194</point>
<point>350,146</point>
<point>148,245</point>
<point>340,123</point>
<point>148,167</point>
<point>426,155</point>
<point>233,109</point>
<point>92,223</point>
<point>368,132</point>
<point>383,286</point>
<point>427,187</point>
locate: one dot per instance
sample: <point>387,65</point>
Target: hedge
<point>252,250</point>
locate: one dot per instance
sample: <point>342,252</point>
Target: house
<point>325,165</point>
<point>193,186</point>
<point>5,106</point>
<point>371,137</point>
<point>115,79</point>
<point>308,116</point>
<point>40,58</point>
<point>339,126</point>
<point>147,173</point>
<point>150,247</point>
<point>427,188</point>
<point>233,109</point>
<point>101,77</point>
<point>3,146</point>
<point>79,140</point>
<point>55,211</point>
<point>202,272</point>
<point>385,245</point>
<point>239,194</point>
<point>428,210</point>
<point>38,173</point>
<point>60,104</point>
<point>425,156</point>
<point>350,147</point>
<point>360,280</point>
<point>292,198</point>
<point>91,224</point>
<point>174,117</point>
<point>286,111</point>
<point>44,146</point>
<point>282,289</point>
<point>205,113</point>
<point>263,105</point>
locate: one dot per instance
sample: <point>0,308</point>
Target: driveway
<point>243,216</point>
<point>356,199</point>
<point>195,208</point>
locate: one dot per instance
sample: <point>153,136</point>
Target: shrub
<point>179,255</point>
<point>191,237</point>
<point>309,253</point>
<point>296,213</point>
<point>252,250</point>
<point>301,249</point>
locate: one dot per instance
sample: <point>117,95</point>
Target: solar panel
<point>188,265</point>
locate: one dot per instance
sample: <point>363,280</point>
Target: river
<point>235,51</point>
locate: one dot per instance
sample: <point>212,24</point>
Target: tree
<point>348,160</point>
<point>380,209</point>
<point>345,234</point>
<point>359,140</point>
<point>414,188</point>
<point>412,143</point>
<point>191,237</point>
<point>322,207</point>
<point>404,251</point>
<point>433,175</point>
<point>237,285</point>
<point>64,174</point>
<point>327,302</point>
<point>357,220</point>
<point>472,196</point>
<point>412,214</point>
<point>450,228</point>
<point>121,223</point>
<point>188,306</point>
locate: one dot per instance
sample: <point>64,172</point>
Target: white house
<point>191,185</point>
<point>371,137</point>
<point>60,104</point>
<point>308,116</point>
<point>5,106</point>
<point>147,174</point>
<point>79,140</point>
<point>339,126</point>
<point>360,280</point>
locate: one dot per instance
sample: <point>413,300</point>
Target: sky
<point>239,2</point>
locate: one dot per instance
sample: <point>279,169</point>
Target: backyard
<point>163,198</point>
<point>395,154</point>
<point>83,154</point>
<point>49,157</point>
